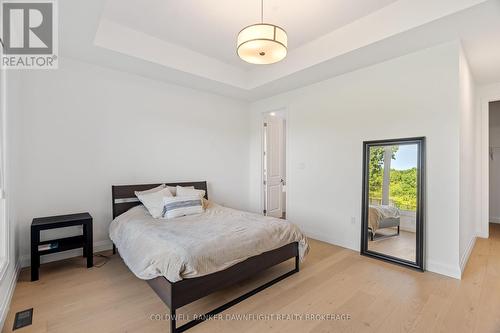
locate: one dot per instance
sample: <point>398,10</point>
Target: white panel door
<point>273,166</point>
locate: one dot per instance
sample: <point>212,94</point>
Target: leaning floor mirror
<point>393,205</point>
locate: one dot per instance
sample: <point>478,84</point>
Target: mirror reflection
<point>392,200</point>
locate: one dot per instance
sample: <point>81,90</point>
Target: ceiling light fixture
<point>262,43</point>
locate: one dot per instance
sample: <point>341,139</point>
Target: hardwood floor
<point>402,246</point>
<point>377,296</point>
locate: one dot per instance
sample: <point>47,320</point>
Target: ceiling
<point>211,27</point>
<point>192,43</point>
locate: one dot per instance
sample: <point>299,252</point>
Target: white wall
<point>469,206</point>
<point>9,102</point>
<point>84,128</point>
<point>494,165</point>
<point>414,95</point>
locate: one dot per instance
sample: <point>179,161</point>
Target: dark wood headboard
<point>124,197</point>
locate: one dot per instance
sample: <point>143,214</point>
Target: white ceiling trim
<point>396,18</point>
<point>119,38</point>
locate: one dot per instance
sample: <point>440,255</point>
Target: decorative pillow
<point>190,190</point>
<point>181,206</point>
<point>206,203</point>
<point>153,201</point>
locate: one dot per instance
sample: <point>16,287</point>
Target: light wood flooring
<point>378,297</point>
<point>402,246</point>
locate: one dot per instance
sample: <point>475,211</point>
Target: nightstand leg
<point>89,251</point>
<point>35,258</point>
<point>85,249</point>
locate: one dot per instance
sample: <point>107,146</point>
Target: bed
<point>381,217</point>
<point>187,258</point>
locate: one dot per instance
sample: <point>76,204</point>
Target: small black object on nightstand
<point>62,244</point>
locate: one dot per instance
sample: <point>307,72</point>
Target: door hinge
<point>265,124</point>
<point>264,211</point>
<point>264,182</point>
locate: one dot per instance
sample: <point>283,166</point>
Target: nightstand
<point>62,244</point>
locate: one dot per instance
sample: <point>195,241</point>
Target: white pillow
<point>153,201</point>
<point>180,206</point>
<point>189,191</point>
<point>152,190</point>
<point>173,190</point>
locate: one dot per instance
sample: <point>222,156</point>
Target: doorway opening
<point>274,180</point>
<point>494,167</point>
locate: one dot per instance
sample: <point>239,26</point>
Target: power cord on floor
<point>106,259</point>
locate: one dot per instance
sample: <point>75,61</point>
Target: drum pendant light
<point>262,43</point>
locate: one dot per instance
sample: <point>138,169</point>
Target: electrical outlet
<point>353,220</point>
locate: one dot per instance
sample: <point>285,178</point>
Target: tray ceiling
<point>192,43</point>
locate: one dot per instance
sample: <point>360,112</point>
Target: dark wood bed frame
<point>180,293</point>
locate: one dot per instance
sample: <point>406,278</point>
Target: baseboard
<point>431,266</point>
<point>408,229</point>
<point>494,219</point>
<point>98,247</point>
<point>443,269</point>
<point>6,299</point>
<point>483,235</point>
<point>466,255</point>
<point>329,240</point>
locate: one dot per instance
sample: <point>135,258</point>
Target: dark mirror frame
<point>419,255</point>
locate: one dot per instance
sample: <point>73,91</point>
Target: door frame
<point>283,110</point>
<point>5,228</point>
<point>483,228</point>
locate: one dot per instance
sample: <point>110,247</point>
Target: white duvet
<point>197,245</point>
